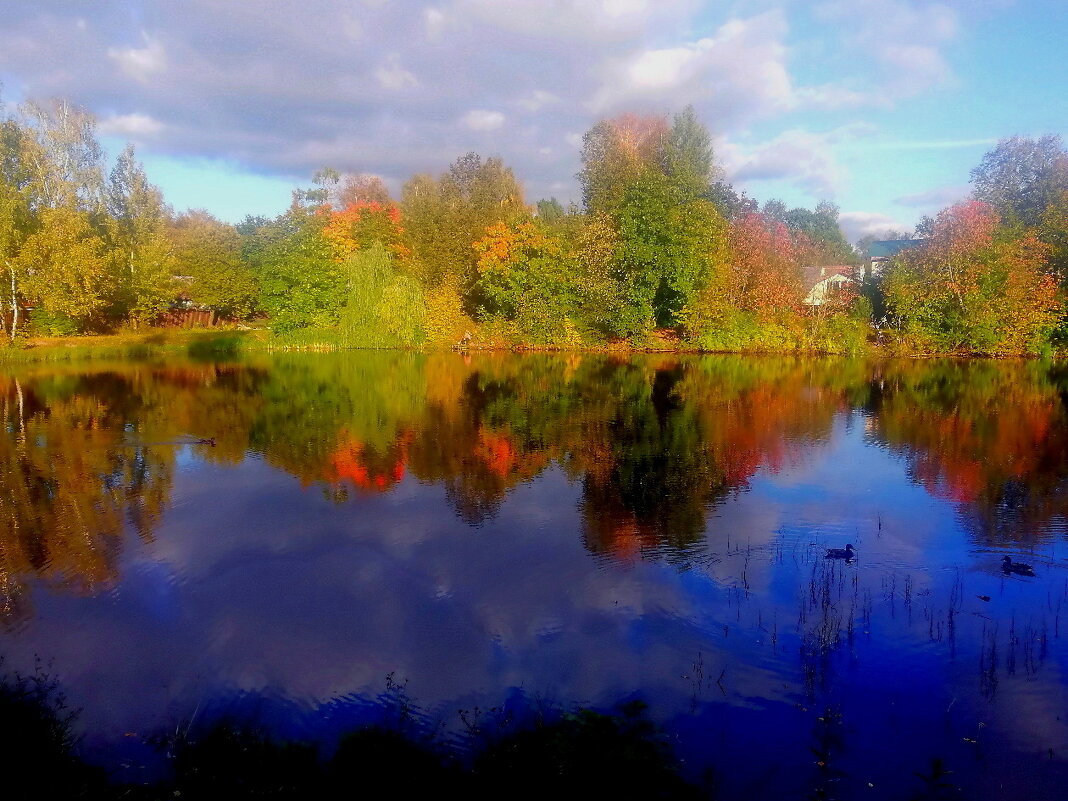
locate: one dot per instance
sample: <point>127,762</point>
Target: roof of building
<point>887,248</point>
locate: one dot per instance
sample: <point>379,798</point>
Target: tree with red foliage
<point>975,286</point>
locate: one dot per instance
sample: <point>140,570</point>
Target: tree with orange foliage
<point>362,223</point>
<point>765,269</point>
<point>975,287</point>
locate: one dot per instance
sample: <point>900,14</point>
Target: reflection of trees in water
<point>653,442</point>
<point>689,433</point>
<point>85,455</point>
<point>992,437</point>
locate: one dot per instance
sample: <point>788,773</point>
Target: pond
<point>319,540</point>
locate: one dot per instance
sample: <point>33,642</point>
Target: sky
<point>882,106</point>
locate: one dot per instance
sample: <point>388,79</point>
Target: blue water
<point>374,533</point>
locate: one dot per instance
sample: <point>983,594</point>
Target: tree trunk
<point>14,308</point>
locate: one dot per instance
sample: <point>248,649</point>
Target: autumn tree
<point>615,153</point>
<point>363,188</point>
<point>64,266</point>
<point>445,216</point>
<point>975,287</point>
<point>766,274</point>
<point>363,223</point>
<point>16,217</point>
<point>525,277</point>
<point>68,162</point>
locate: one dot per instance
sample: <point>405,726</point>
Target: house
<point>883,251</point>
<point>830,281</point>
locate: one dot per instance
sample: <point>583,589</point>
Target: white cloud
<point>482,120</point>
<point>857,224</point>
<point>738,73</point>
<point>591,20</point>
<point>903,39</point>
<point>537,100</point>
<point>140,63</point>
<point>830,96</point>
<point>801,157</point>
<point>282,88</point>
<point>392,75</point>
<point>130,125</point>
<point>434,20</point>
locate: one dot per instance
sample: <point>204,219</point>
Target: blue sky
<point>880,105</point>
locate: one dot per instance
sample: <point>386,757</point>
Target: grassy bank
<point>135,345</point>
<point>223,344</point>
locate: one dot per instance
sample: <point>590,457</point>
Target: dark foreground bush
<point>37,744</point>
<point>584,755</point>
<point>581,755</point>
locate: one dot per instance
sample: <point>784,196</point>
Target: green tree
<point>445,217</point>
<point>383,308</point>
<point>668,251</point>
<point>687,157</point>
<point>142,267</point>
<point>550,211</point>
<point>301,284</point>
<point>207,254</point>
<point>64,266</point>
<point>821,229</point>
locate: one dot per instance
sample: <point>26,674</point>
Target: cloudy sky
<point>880,105</point>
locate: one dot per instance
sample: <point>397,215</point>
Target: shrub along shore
<point>660,254</point>
<point>223,344</point>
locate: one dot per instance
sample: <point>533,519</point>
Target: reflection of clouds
<point>257,583</point>
<point>316,600</point>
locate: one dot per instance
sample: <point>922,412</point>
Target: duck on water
<point>1019,568</point>
<point>846,553</point>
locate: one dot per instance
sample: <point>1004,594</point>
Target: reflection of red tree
<point>962,459</point>
<point>496,452</point>
<point>352,461</point>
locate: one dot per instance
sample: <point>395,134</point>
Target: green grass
<point>136,346</point>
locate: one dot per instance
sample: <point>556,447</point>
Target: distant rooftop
<point>888,248</point>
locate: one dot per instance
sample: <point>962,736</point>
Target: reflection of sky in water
<point>254,584</point>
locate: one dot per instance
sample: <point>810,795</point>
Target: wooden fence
<point>188,318</point>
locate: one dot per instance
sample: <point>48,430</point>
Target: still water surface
<point>366,532</point>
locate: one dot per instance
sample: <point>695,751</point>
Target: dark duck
<point>842,553</point>
<point>1019,568</point>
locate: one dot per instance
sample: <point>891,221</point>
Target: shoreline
<point>205,343</point>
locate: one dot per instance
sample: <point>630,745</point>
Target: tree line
<point>660,250</point>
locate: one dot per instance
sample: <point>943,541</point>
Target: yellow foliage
<point>446,321</point>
